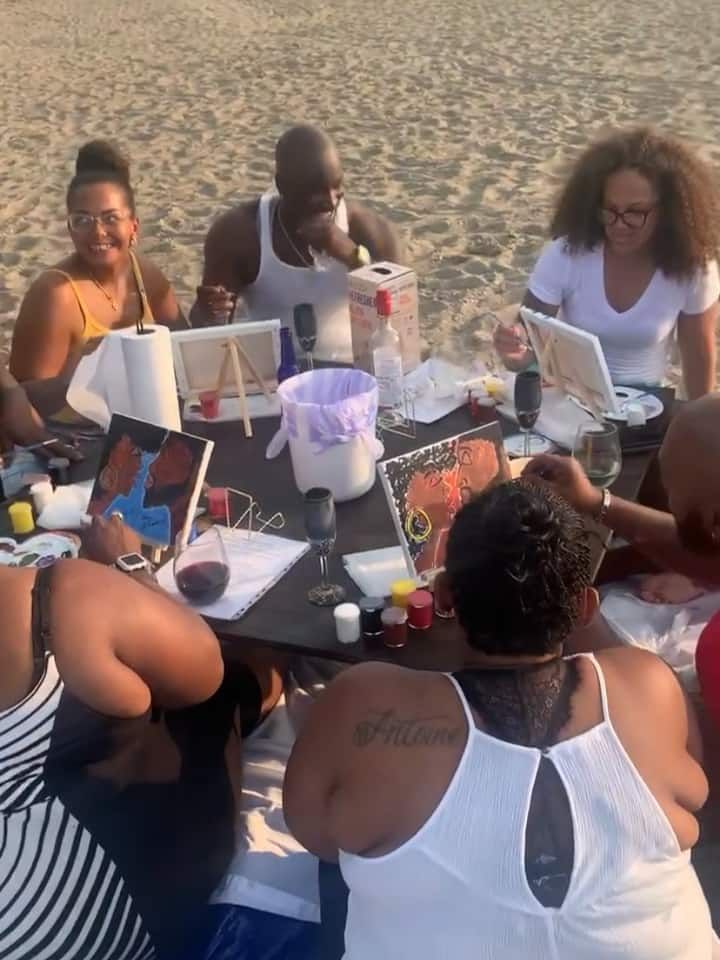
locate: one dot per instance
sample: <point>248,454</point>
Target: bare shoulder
<point>50,293</point>
<point>641,677</point>
<point>374,231</point>
<point>376,680</point>
<point>235,226</point>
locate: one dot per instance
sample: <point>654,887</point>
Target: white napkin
<point>375,570</point>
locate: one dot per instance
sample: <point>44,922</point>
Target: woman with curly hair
<point>633,260</point>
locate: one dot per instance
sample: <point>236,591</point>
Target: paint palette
<point>40,551</point>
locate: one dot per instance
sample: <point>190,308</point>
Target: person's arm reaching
<point>696,341</point>
<point>21,424</point>
<point>653,533</point>
<point>151,650</point>
<point>511,342</point>
<point>231,263</point>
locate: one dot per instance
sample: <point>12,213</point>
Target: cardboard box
<point>363,284</point>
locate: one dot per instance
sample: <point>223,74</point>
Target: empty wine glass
<point>320,529</point>
<point>201,567</point>
<point>597,449</point>
<point>528,401</point>
<point>305,323</point>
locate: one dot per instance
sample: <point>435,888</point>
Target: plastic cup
<point>210,404</point>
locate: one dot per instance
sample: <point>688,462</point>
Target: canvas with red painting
<point>152,477</point>
<point>426,488</point>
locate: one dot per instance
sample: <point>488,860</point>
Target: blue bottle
<point>288,362</point>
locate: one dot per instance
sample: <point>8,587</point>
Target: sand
<point>456,118</point>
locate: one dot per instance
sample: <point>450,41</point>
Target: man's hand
<point>21,424</point>
<point>565,476</point>
<point>217,304</point>
<point>324,235</point>
<point>106,540</point>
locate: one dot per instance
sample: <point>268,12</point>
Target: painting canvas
<point>152,476</point>
<point>572,360</point>
<point>198,356</point>
<point>426,488</point>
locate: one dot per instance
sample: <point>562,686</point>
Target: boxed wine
<point>402,284</point>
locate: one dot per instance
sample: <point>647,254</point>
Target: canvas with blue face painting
<point>152,477</point>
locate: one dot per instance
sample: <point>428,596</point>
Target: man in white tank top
<point>294,245</point>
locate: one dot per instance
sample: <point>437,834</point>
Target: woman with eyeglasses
<point>633,260</point>
<point>101,286</point>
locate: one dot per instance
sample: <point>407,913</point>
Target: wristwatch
<point>133,563</point>
<point>362,256</point>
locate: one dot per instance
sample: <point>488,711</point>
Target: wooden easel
<point>235,356</point>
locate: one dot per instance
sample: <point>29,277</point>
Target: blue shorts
<point>239,933</point>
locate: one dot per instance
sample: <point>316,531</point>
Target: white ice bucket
<point>329,417</point>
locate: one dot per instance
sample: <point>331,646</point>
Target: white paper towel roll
<point>129,373</point>
<point>151,376</point>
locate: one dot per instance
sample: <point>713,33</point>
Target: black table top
<point>283,618</point>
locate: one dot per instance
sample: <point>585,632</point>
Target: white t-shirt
<point>636,343</point>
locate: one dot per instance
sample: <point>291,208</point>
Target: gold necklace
<point>300,256</point>
<point>110,299</point>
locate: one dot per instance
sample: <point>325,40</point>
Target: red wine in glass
<point>201,568</point>
<point>204,582</point>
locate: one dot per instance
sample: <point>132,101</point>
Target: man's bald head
<point>308,173</point>
<point>690,467</point>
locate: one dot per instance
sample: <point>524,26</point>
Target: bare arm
<point>231,263</point>
<point>696,341</point>
<point>161,295</point>
<point>48,327</point>
<point>375,232</point>
<point>655,535</point>
<point>151,650</point>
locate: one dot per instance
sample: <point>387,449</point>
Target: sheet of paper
<point>256,564</point>
<point>375,570</point>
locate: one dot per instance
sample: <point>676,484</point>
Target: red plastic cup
<point>210,404</point>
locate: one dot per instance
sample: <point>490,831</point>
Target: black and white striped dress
<point>61,895</point>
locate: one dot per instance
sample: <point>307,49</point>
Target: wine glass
<point>597,449</point>
<point>306,329</point>
<point>528,401</point>
<point>201,567</point>
<point>320,529</point>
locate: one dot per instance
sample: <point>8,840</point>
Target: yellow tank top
<point>93,328</point>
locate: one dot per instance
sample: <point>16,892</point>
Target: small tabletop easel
<point>235,356</point>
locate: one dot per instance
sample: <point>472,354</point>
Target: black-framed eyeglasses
<point>84,222</point>
<point>635,219</point>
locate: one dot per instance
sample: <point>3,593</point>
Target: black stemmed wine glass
<point>305,323</point>
<point>320,529</point>
<point>528,401</point>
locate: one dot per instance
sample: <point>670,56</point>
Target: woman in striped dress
<point>104,837</point>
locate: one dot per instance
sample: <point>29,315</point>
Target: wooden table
<point>284,619</point>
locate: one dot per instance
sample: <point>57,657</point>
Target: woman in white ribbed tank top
<point>530,805</point>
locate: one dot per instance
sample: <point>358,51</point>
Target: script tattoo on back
<point>389,729</point>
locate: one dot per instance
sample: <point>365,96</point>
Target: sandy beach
<point>455,118</point>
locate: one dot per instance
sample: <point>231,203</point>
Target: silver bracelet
<point>604,506</point>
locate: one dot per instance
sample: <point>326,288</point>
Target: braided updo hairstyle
<point>517,563</point>
<point>101,161</point>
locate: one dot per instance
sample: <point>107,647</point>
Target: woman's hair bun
<point>103,156</point>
